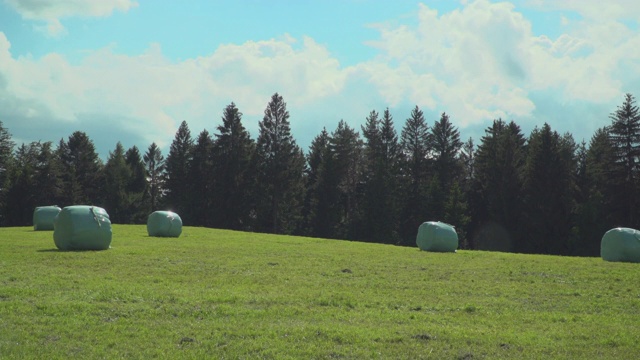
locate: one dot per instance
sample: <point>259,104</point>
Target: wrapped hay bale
<point>621,244</point>
<point>164,224</point>
<point>437,236</point>
<point>82,227</point>
<point>43,217</point>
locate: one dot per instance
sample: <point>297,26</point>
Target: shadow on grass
<point>64,251</point>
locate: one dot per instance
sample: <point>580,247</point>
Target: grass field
<point>223,294</point>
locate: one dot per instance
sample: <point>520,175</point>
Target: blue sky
<point>131,71</point>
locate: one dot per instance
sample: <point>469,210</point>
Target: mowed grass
<point>233,295</point>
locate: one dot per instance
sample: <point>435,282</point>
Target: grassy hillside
<point>224,294</point>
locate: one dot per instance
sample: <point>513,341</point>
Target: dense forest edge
<point>543,193</point>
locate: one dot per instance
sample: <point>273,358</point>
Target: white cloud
<point>52,11</point>
<point>57,9</point>
<point>158,94</point>
<point>477,63</point>
<point>591,9</point>
<point>482,61</point>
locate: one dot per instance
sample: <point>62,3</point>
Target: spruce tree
<point>137,190</point>
<point>596,208</point>
<point>415,147</point>
<point>380,222</point>
<point>498,187</point>
<point>548,185</point>
<point>445,144</point>
<point>20,195</point>
<point>201,173</point>
<point>154,166</point>
<point>321,189</point>
<point>624,133</point>
<point>81,170</point>
<point>116,178</point>
<point>280,166</point>
<point>178,181</point>
<point>234,186</point>
<point>6,154</point>
<point>346,155</point>
<point>48,185</point>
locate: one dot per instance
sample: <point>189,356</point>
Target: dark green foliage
<point>498,187</point>
<point>155,170</point>
<point>81,170</point>
<point>20,195</point>
<point>345,168</point>
<point>456,213</point>
<point>445,145</point>
<point>415,176</point>
<point>382,164</point>
<point>624,134</point>
<point>116,178</point>
<point>544,195</point>
<point>548,185</point>
<point>321,189</point>
<point>232,151</point>
<point>48,184</point>
<point>137,187</point>
<point>33,181</point>
<point>201,170</point>
<point>177,183</point>
<point>6,160</point>
<point>280,166</point>
<point>595,211</point>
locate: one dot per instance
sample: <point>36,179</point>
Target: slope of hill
<point>224,294</point>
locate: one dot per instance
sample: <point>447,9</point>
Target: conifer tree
<point>201,176</point>
<point>178,181</point>
<point>346,150</point>
<point>380,222</point>
<point>596,208</point>
<point>624,134</point>
<point>415,147</point>
<point>20,195</point>
<point>498,186</point>
<point>234,186</point>
<point>280,166</point>
<point>48,179</point>
<point>116,178</point>
<point>445,144</point>
<point>321,191</point>
<point>137,191</point>
<point>548,184</point>
<point>6,154</point>
<point>81,170</point>
<point>154,166</point>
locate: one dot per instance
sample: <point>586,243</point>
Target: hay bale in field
<point>621,244</point>
<point>164,224</point>
<point>82,227</point>
<point>43,217</point>
<point>437,236</point>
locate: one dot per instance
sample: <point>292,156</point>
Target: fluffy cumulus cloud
<point>52,11</point>
<point>150,95</point>
<point>483,61</point>
<point>477,63</point>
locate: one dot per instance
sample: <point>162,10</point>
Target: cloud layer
<point>53,11</point>
<point>477,63</point>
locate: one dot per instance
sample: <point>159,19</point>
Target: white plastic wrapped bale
<point>82,227</point>
<point>164,224</point>
<point>43,217</point>
<point>437,236</point>
<point>621,245</point>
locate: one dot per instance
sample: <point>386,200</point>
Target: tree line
<point>541,193</point>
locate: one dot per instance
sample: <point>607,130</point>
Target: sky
<point>132,71</point>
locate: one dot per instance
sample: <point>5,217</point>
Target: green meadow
<point>233,295</point>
